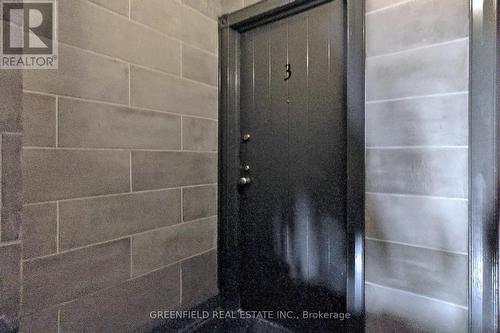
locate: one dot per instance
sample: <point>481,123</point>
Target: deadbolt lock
<point>245,180</point>
<point>246,137</point>
<point>246,167</point>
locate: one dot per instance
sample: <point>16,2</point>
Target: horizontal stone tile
<point>250,2</point>
<point>154,170</point>
<point>11,95</point>
<point>62,174</point>
<point>427,171</point>
<point>82,74</point>
<point>126,307</point>
<point>95,125</point>
<point>177,20</point>
<point>425,221</point>
<point>45,321</point>
<point>39,229</point>
<point>118,6</point>
<point>208,7</point>
<point>199,134</point>
<point>379,4</point>
<point>10,276</point>
<point>437,69</point>
<point>83,25</point>
<point>87,221</point>
<point>11,186</point>
<point>60,278</point>
<point>229,6</point>
<point>199,65</point>
<point>198,202</point>
<point>199,279</point>
<point>159,91</point>
<point>416,23</point>
<point>437,121</point>
<point>163,247</point>
<point>437,274</point>
<point>39,120</point>
<point>390,310</point>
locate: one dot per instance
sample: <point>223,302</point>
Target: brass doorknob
<point>245,180</point>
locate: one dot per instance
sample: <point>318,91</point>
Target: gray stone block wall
<point>119,169</point>
<point>417,160</point>
<point>10,197</point>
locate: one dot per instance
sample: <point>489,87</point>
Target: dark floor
<point>238,326</point>
<point>242,325</point>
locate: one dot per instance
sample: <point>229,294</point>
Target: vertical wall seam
<point>129,85</point>
<point>131,258</point>
<point>181,50</point>
<point>182,205</point>
<point>308,119</point>
<point>180,283</point>
<point>130,172</point>
<point>57,121</point>
<point>58,320</point>
<point>182,132</point>
<point>21,274</point>
<point>1,187</point>
<point>57,228</point>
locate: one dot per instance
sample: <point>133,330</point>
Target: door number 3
<point>288,72</point>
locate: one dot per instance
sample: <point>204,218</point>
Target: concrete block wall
<point>119,168</point>
<point>416,165</point>
<point>228,6</point>
<point>10,198</point>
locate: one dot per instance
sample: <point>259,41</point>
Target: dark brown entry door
<point>292,213</point>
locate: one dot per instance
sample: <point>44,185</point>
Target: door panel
<point>298,224</point>
<point>293,235</point>
<point>327,146</point>
<point>263,203</point>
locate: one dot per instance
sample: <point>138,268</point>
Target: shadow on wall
<point>414,288</point>
<point>7,326</point>
<point>385,322</point>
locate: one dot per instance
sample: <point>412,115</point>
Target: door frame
<point>230,28</point>
<point>483,166</point>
